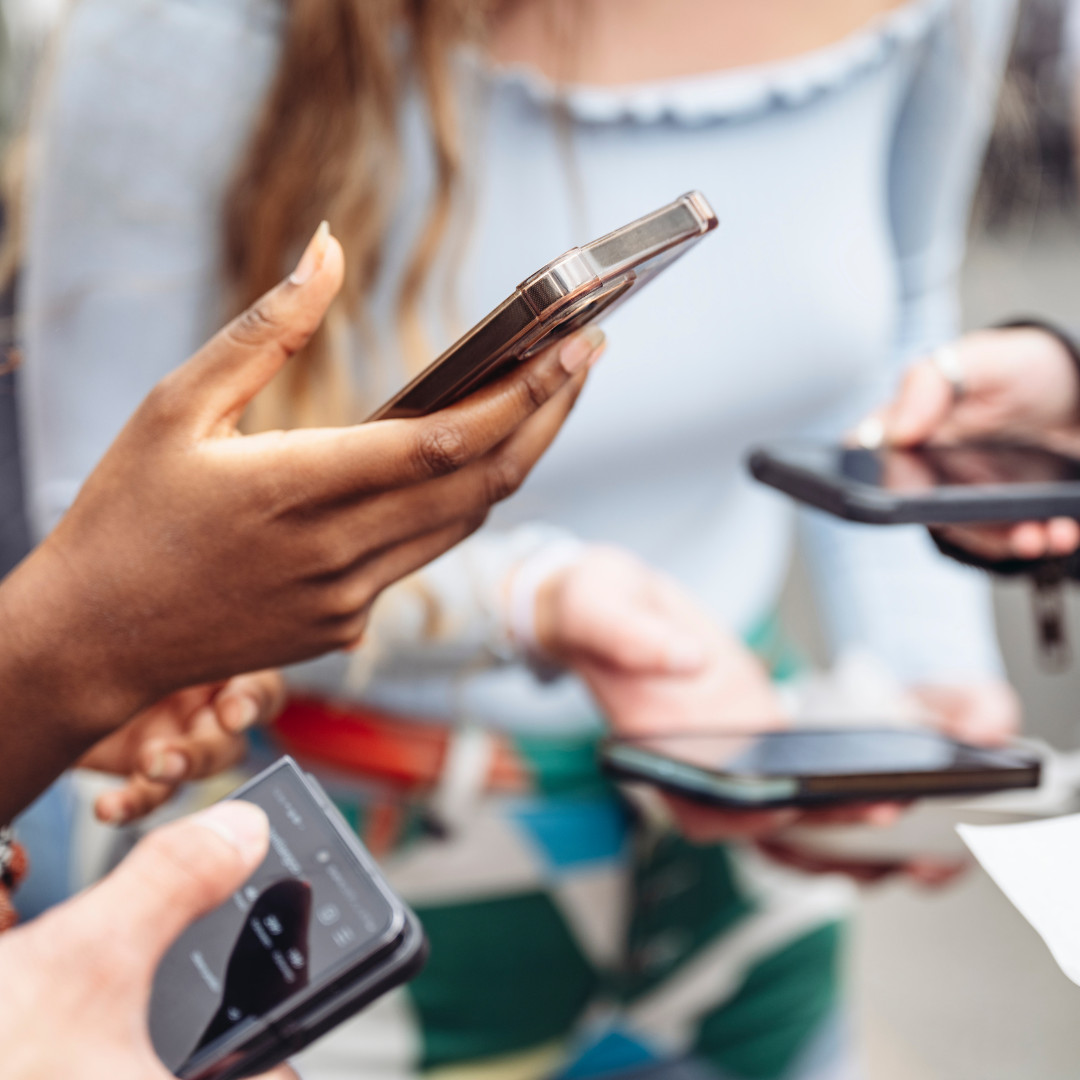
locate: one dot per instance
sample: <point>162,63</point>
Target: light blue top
<point>843,180</point>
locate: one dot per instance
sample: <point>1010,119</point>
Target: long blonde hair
<point>326,146</point>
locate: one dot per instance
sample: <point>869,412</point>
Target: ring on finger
<point>947,361</point>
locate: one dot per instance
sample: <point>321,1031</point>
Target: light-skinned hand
<point>76,988</point>
<point>190,735</point>
<point>657,664</point>
<point>1018,383</point>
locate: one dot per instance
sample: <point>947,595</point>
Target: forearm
<point>56,698</point>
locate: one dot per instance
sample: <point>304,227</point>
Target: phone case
<point>398,961</point>
<point>315,1020</point>
<point>578,288</point>
<point>780,468</point>
<point>793,792</point>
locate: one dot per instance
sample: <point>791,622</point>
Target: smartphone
<point>927,485</point>
<point>314,936</point>
<point>578,288</point>
<point>807,767</point>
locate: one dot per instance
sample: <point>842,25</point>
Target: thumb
<point>174,876</point>
<point>221,379</point>
<point>920,409</point>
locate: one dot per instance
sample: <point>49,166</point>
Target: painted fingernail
<point>167,765</point>
<point>870,434</point>
<point>580,349</point>
<point>241,825</point>
<point>240,713</point>
<point>313,256</point>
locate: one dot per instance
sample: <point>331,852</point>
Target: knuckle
<point>334,552</point>
<point>345,599</point>
<point>349,628</point>
<point>473,523</point>
<point>467,523</point>
<point>355,627</point>
<point>505,475</point>
<point>255,325</point>
<point>345,602</point>
<point>532,387</point>
<point>442,448</point>
<point>166,402</point>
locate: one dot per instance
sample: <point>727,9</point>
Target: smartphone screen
<point>308,913</point>
<point>928,467</point>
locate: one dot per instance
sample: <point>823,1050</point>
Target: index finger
<point>390,454</point>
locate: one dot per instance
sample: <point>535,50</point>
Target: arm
<point>889,589</point>
<point>193,553</point>
<point>75,1003</point>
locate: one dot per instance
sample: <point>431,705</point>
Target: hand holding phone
<point>1017,383</point>
<point>818,767</point>
<point>73,1001</point>
<point>310,938</point>
<point>655,662</point>
<point>265,549</point>
<point>978,482</point>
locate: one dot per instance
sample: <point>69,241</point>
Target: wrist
<point>55,660</point>
<point>1061,348</point>
<point>533,597</point>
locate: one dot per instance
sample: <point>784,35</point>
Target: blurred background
<point>951,985</point>
<point>954,985</point>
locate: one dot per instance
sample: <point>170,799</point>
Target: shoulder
<point>970,39</point>
<point>168,40</point>
<point>146,108</point>
<point>138,78</point>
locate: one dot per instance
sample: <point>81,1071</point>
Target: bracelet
<point>526,583</point>
<point>13,867</point>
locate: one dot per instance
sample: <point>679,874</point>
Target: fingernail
<point>578,350</point>
<point>313,256</point>
<point>167,765</point>
<point>870,434</point>
<point>240,713</point>
<point>243,826</point>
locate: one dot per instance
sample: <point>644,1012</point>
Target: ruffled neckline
<point>737,92</point>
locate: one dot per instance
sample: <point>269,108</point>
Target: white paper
<point>1037,866</point>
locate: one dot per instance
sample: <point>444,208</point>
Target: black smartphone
<point>807,767</point>
<point>314,936</point>
<point>580,287</point>
<point>929,485</point>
